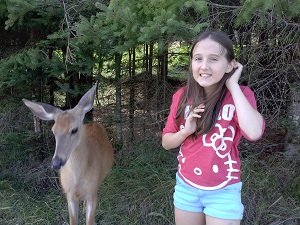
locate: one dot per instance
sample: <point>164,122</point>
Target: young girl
<point>207,119</point>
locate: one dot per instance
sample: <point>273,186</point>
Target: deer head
<point>67,124</point>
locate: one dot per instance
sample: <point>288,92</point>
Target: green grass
<point>20,207</point>
<point>139,189</point>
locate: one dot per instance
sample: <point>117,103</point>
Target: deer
<point>83,155</point>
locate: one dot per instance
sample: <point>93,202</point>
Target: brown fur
<point>87,167</point>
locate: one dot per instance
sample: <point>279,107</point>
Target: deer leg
<point>73,207</point>
<point>91,203</point>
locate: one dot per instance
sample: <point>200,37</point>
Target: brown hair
<point>194,94</point>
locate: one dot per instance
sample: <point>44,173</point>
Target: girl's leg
<point>215,221</point>
<point>188,218</point>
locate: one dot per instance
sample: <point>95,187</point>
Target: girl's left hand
<point>234,79</point>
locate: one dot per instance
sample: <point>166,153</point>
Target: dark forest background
<point>54,50</point>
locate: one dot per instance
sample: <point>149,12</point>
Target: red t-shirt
<point>211,161</point>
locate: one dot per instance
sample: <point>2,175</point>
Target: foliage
<point>124,24</point>
<point>20,68</point>
<point>32,14</point>
<point>281,9</point>
<point>53,51</point>
<point>17,11</point>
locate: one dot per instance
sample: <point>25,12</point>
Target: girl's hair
<point>194,94</point>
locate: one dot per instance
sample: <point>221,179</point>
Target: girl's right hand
<point>190,122</point>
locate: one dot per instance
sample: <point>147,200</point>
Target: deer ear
<point>42,110</point>
<point>86,103</point>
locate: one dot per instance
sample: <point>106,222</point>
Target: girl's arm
<point>250,120</point>
<point>173,140</point>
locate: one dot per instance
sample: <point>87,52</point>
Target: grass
<point>268,194</point>
<point>20,207</point>
<point>139,189</point>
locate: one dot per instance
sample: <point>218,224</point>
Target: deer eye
<point>74,131</point>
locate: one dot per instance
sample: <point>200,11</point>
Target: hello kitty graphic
<point>217,146</point>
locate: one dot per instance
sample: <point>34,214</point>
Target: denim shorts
<point>224,203</point>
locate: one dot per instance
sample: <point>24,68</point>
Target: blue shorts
<point>224,203</point>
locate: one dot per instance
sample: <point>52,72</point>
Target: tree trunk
<point>146,59</point>
<point>51,82</point>
<point>150,61</point>
<point>148,86</point>
<point>162,73</point>
<point>118,110</point>
<point>131,66</point>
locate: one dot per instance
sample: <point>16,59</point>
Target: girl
<point>207,119</point>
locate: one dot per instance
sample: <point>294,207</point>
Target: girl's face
<point>209,64</point>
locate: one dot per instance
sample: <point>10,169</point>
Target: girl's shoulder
<point>179,92</point>
<point>245,88</point>
<point>248,92</point>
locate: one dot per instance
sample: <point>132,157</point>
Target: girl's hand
<point>190,122</point>
<point>234,79</point>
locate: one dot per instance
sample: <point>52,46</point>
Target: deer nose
<point>57,163</point>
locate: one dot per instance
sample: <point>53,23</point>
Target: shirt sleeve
<point>171,125</point>
<point>250,96</point>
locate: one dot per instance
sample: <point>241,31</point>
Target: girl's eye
<point>198,59</point>
<point>214,59</point>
